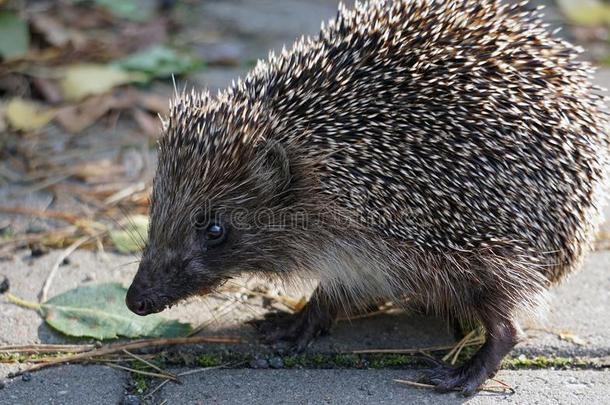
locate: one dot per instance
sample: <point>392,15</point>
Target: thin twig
<point>148,373</point>
<point>65,254</point>
<point>124,193</point>
<point>408,351</point>
<point>198,370</point>
<point>45,348</point>
<point>372,314</point>
<point>414,383</point>
<point>64,216</point>
<point>471,339</point>
<point>136,344</point>
<point>488,388</point>
<point>149,364</point>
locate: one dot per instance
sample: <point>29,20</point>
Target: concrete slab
<point>377,386</point>
<point>579,307</point>
<point>66,385</point>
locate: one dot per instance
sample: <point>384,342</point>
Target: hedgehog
<point>448,154</point>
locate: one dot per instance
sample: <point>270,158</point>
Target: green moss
<point>140,383</point>
<point>346,360</point>
<point>209,360</point>
<point>292,361</point>
<point>539,362</point>
<point>319,359</point>
<point>391,360</point>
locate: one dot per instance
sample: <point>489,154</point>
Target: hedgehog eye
<point>215,234</point>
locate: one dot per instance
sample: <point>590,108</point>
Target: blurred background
<point>82,83</point>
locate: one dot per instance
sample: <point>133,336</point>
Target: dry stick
<point>137,344</point>
<point>148,373</point>
<point>41,213</point>
<point>124,193</point>
<point>46,348</point>
<point>471,338</point>
<point>503,386</point>
<point>389,310</point>
<point>69,250</point>
<point>151,365</point>
<point>199,370</point>
<point>408,351</point>
<point>414,383</point>
<point>38,235</point>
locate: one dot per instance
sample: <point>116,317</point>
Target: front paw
<point>300,328</point>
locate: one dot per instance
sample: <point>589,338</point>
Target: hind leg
<point>315,319</point>
<point>501,337</point>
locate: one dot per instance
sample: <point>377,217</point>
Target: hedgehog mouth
<point>208,288</point>
<point>211,286</point>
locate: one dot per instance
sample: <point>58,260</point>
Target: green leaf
<point>588,13</point>
<point>134,10</point>
<point>159,61</point>
<point>99,312</point>
<point>14,35</point>
<point>131,238</point>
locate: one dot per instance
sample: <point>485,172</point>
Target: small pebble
<point>4,285</point>
<point>259,363</point>
<point>26,377</point>
<point>276,362</point>
<point>38,251</point>
<point>131,400</point>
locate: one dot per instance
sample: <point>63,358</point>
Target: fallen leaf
<point>78,117</point>
<point>131,238</point>
<point>27,116</point>
<point>153,102</point>
<point>47,89</point>
<point>572,338</point>
<point>150,125</point>
<point>84,80</point>
<point>99,312</point>
<point>98,171</point>
<point>159,61</point>
<point>14,35</point>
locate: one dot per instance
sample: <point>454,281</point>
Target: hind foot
<point>501,337</point>
<point>466,379</point>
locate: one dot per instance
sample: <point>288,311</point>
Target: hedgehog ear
<point>275,165</point>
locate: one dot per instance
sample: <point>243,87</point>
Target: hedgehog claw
<point>300,329</point>
<point>466,379</point>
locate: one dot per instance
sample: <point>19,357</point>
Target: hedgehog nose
<point>136,302</point>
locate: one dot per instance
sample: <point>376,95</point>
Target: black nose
<point>137,303</point>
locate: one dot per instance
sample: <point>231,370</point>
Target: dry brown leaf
<point>153,102</point>
<point>150,125</point>
<point>26,115</point>
<point>48,89</point>
<point>78,117</point>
